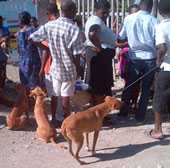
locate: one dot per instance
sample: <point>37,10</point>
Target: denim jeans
<point>136,69</point>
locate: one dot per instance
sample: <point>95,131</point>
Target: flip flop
<point>153,135</point>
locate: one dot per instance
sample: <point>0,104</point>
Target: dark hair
<point>101,4</point>
<point>148,3</point>
<point>132,7</point>
<point>164,7</point>
<point>24,18</point>
<point>1,18</point>
<point>34,19</point>
<point>53,9</point>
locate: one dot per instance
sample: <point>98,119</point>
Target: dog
<point>90,120</point>
<point>81,100</point>
<point>45,131</point>
<point>18,117</point>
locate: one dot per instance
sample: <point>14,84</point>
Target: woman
<point>29,60</point>
<point>100,52</point>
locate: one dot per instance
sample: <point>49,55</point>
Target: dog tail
<point>57,145</point>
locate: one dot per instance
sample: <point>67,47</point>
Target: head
<point>34,22</point>
<point>146,5</point>
<point>112,102</point>
<point>24,18</point>
<point>133,8</point>
<point>164,8</point>
<point>52,11</point>
<point>37,92</point>
<point>1,20</point>
<point>102,8</point>
<point>68,8</point>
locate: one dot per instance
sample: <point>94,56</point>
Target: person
<point>123,64</point>
<point>34,22</point>
<point>139,29</point>
<point>162,86</point>
<point>46,60</point>
<point>4,37</point>
<point>29,59</point>
<point>100,51</point>
<point>65,47</point>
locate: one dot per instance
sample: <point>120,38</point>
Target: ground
<point>119,146</point>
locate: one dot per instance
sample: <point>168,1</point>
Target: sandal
<point>154,135</point>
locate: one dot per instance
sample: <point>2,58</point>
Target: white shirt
<point>163,37</point>
<point>139,29</point>
<point>107,36</point>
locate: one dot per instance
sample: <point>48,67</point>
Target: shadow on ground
<point>127,150</point>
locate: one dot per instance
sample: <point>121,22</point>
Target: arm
<point>161,51</point>
<point>38,36</point>
<point>45,56</point>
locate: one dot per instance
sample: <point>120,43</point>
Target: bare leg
<point>66,106</point>
<point>53,107</point>
<point>158,124</point>
<point>96,134</point>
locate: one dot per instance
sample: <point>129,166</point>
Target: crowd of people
<point>50,56</point>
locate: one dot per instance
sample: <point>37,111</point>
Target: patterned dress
<point>29,62</point>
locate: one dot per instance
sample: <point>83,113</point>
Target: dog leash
<point>142,77</point>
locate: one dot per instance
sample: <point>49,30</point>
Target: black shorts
<point>162,92</point>
<point>2,73</point>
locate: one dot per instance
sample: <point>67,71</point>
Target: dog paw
<point>87,148</point>
<point>93,153</point>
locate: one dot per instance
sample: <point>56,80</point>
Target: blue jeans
<point>136,69</point>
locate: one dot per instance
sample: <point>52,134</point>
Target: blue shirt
<point>139,28</point>
<point>4,32</point>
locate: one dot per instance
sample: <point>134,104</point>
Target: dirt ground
<point>118,146</point>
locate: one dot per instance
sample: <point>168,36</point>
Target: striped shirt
<point>65,42</point>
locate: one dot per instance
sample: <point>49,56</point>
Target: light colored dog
<point>18,117</point>
<point>45,131</point>
<point>90,120</point>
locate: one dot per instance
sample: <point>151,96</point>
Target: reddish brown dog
<point>17,118</point>
<point>45,131</point>
<point>74,126</point>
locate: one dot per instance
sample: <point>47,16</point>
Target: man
<point>4,35</point>
<point>65,48</point>
<point>46,60</point>
<point>100,52</point>
<point>139,29</point>
<point>162,89</point>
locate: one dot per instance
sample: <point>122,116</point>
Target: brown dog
<point>74,126</point>
<point>18,116</point>
<point>44,131</point>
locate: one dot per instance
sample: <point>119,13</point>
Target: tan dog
<point>18,117</point>
<point>74,126</point>
<point>81,100</point>
<point>45,131</point>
